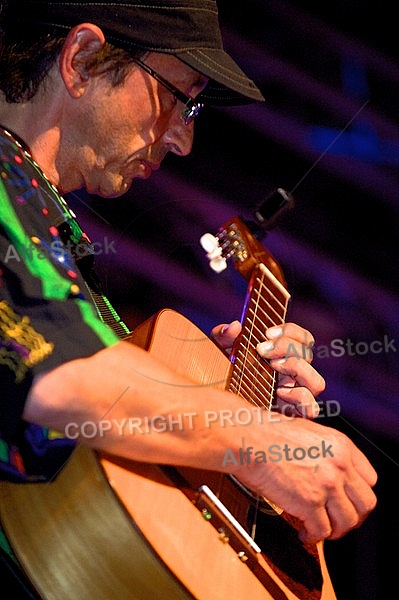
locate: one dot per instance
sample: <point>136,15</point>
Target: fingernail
<point>274,332</point>
<point>285,389</point>
<point>265,346</point>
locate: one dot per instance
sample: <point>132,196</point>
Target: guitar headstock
<point>235,241</point>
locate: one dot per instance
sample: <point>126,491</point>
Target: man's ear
<point>82,41</point>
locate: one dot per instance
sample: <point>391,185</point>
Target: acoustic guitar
<point>108,529</point>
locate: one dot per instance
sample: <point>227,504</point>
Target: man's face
<point>118,133</point>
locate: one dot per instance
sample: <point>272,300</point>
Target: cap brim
<point>228,85</point>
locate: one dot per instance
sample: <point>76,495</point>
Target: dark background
<point>329,133</point>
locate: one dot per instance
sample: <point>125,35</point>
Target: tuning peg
<point>210,244</point>
<point>218,264</point>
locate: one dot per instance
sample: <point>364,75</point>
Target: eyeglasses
<point>191,107</point>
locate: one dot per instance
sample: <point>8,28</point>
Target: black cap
<point>187,29</point>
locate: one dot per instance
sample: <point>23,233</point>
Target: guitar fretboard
<point>266,305</point>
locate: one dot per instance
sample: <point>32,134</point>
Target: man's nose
<point>179,137</point>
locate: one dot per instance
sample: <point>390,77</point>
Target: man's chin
<point>114,193</point>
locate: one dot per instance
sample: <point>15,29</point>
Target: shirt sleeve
<point>47,316</point>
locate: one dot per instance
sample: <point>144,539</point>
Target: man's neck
<point>28,123</point>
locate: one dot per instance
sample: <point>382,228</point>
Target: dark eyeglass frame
<point>191,106</point>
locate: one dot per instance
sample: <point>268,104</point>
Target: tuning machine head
<point>210,243</point>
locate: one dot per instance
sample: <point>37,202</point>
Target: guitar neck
<point>266,304</point>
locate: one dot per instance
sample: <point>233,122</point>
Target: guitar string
<point>252,378</point>
<point>261,317</point>
<point>265,291</point>
<point>247,362</point>
<point>280,311</point>
<point>265,385</point>
<point>254,382</point>
<point>247,369</point>
<point>243,352</point>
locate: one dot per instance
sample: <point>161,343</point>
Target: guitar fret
<point>262,382</point>
<point>269,306</point>
<point>264,289</point>
<point>263,388</point>
<point>249,397</point>
<point>260,332</point>
<point>274,280</point>
<point>252,378</point>
<point>251,339</point>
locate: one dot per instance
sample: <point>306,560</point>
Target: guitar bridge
<point>230,530</point>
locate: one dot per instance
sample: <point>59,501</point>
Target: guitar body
<point>124,530</point>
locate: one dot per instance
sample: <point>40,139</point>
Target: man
<point>94,95</point>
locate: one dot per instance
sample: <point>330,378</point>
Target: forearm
<point>139,408</point>
<point>327,484</point>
